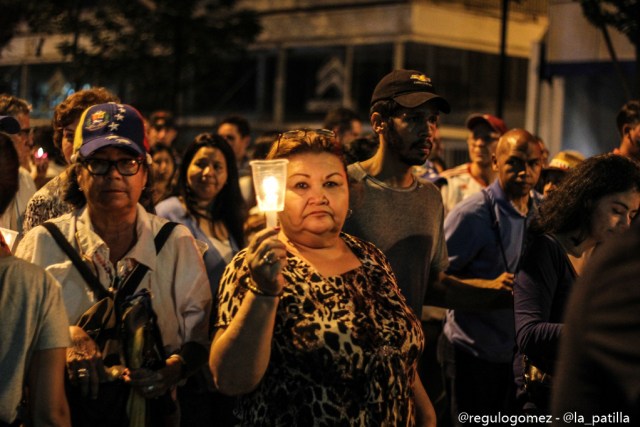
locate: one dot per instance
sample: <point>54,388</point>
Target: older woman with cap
<point>114,238</point>
<point>311,327</point>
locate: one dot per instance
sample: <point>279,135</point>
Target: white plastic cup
<point>270,182</point>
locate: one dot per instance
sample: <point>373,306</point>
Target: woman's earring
<point>349,213</point>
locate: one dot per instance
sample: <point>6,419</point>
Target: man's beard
<point>396,144</point>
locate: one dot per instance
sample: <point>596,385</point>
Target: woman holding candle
<point>311,328</point>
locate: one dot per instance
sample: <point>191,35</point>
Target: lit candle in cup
<point>269,179</point>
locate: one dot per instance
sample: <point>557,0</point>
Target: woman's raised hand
<point>266,256</point>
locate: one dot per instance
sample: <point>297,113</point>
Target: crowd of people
<point>141,286</point>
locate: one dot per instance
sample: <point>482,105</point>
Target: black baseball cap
<point>409,88</point>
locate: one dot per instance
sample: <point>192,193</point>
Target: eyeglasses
<point>100,167</point>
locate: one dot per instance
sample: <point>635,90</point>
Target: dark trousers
<point>475,386</point>
<point>202,407</point>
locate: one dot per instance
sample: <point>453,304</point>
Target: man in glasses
<point>469,178</point>
<point>20,110</point>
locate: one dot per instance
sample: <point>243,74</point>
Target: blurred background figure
<point>469,178</point>
<point>49,201</point>
<point>545,151</point>
<point>210,205</point>
<point>35,335</point>
<point>21,138</point>
<point>361,148</point>
<point>628,122</point>
<point>163,170</point>
<point>162,129</point>
<point>9,180</point>
<point>237,132</point>
<point>43,146</point>
<point>594,203</point>
<point>553,174</point>
<point>345,123</point>
<point>431,169</point>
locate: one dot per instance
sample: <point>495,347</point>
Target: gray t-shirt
<point>34,318</point>
<point>406,224</point>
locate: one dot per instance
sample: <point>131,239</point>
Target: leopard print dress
<point>344,349</point>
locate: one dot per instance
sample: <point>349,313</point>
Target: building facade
<point>313,55</point>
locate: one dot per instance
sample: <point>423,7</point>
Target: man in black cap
<point>404,114</point>
<point>391,207</point>
<point>400,213</point>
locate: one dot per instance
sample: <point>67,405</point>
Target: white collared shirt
<point>177,277</point>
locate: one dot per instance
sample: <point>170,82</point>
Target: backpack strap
<point>134,278</point>
<point>163,235</point>
<point>89,277</point>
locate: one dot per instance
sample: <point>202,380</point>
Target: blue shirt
<point>475,252</point>
<point>173,210</point>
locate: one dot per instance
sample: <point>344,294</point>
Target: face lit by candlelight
<point>317,196</point>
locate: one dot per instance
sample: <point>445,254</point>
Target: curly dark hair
<point>301,141</point>
<point>228,206</point>
<point>70,110</point>
<point>571,206</point>
<point>76,198</point>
